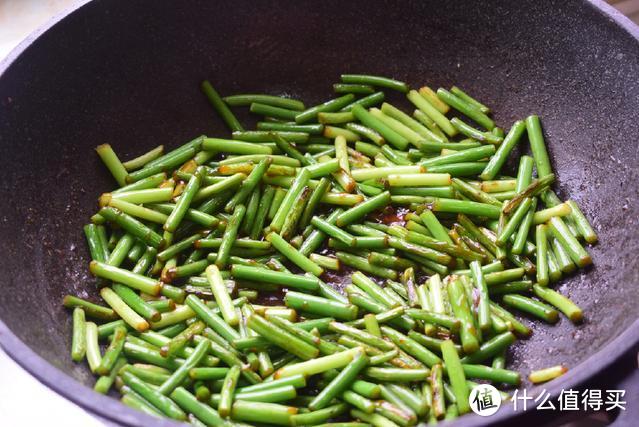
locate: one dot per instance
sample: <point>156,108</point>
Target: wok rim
<point>113,410</point>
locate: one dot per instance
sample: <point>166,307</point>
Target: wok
<point>128,74</point>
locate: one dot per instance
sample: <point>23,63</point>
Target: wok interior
<point>129,76</point>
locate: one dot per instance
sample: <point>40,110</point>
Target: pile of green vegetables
<point>213,261</point>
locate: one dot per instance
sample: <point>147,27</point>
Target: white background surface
<point>26,402</point>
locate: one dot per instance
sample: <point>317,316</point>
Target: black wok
<point>127,73</point>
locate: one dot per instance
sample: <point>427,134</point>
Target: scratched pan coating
<point>129,76</point>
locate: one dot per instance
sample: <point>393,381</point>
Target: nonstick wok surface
<point>129,75</point>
